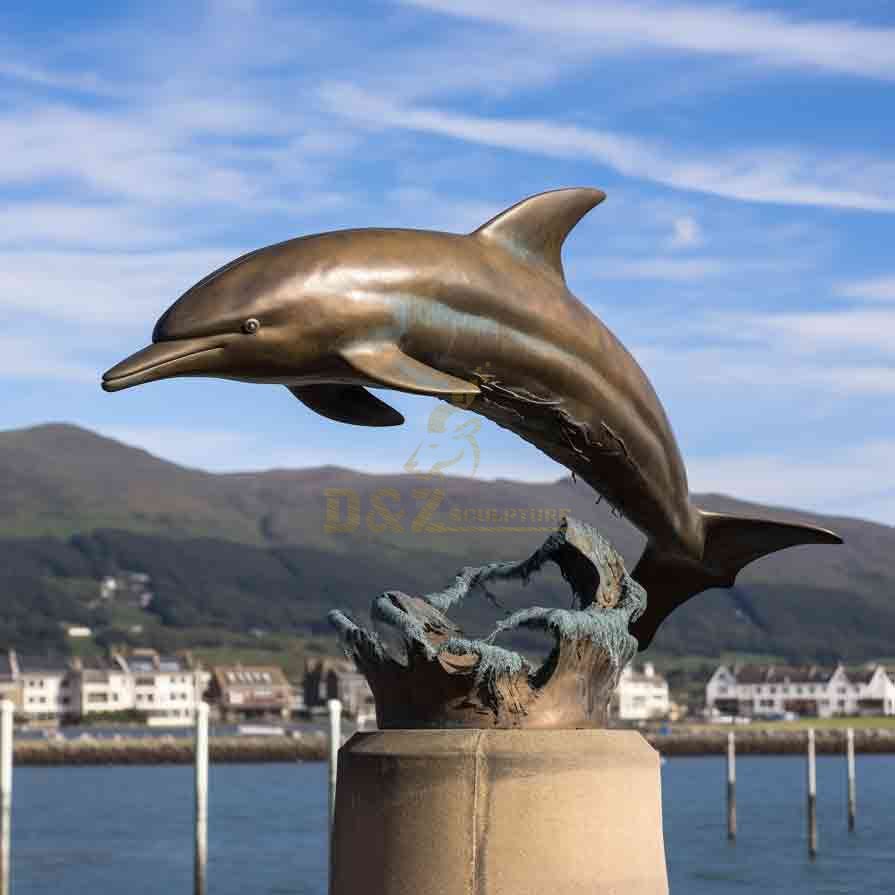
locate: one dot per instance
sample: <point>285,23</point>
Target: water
<point>129,829</point>
<point>771,851</point>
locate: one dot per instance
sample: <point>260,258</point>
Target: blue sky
<point>745,252</point>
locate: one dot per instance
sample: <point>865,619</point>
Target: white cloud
<point>685,233</point>
<point>762,367</point>
<point>814,331</point>
<point>41,77</point>
<point>216,450</point>
<point>876,289</point>
<point>26,357</point>
<point>60,224</point>
<point>102,290</point>
<point>674,269</point>
<point>762,175</point>
<point>417,206</point>
<point>855,481</point>
<point>763,37</point>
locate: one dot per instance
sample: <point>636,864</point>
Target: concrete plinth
<point>498,812</point>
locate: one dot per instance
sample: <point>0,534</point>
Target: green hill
<point>257,551</point>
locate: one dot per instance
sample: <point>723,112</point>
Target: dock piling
<point>201,859</point>
<point>6,750</point>
<point>335,741</point>
<point>852,793</point>
<point>812,797</point>
<point>731,787</point>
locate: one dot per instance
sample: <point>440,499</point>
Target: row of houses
<point>166,689</point>
<point>57,689</point>
<point>770,691</point>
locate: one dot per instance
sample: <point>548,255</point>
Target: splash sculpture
<point>485,318</point>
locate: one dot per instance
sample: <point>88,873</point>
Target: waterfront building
<point>326,679</point>
<point>641,695</point>
<point>875,690</point>
<point>44,686</point>
<point>166,689</point>
<point>773,691</point>
<point>98,686</point>
<point>239,692</point>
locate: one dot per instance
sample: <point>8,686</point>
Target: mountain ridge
<point>69,493</point>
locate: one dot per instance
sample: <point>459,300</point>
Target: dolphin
<point>485,319</point>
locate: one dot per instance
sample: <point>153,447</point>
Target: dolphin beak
<point>162,360</point>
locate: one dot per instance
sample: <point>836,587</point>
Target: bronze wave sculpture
<point>488,316</point>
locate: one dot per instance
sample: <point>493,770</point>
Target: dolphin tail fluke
<point>731,542</point>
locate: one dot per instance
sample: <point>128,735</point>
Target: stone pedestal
<point>498,812</point>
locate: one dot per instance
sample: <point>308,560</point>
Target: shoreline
<point>233,750</point>
<point>828,741</point>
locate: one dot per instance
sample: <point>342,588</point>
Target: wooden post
<point>731,787</point>
<point>335,741</point>
<point>852,794</point>
<point>812,797</point>
<point>201,859</point>
<point>6,735</point>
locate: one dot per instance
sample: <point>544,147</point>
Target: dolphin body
<point>485,318</point>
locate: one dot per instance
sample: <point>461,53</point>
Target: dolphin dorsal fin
<point>538,226</point>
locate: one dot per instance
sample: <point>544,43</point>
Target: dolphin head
<point>257,319</point>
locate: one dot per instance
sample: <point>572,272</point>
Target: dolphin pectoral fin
<point>347,404</point>
<point>731,543</point>
<point>387,365</point>
<point>538,226</point>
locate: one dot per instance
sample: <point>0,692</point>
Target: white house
<point>100,685</point>
<point>875,690</point>
<point>813,691</point>
<point>640,695</point>
<point>166,688</point>
<point>43,686</point>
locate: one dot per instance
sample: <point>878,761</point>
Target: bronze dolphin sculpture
<point>487,317</point>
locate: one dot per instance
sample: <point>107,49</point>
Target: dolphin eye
<point>251,326</point>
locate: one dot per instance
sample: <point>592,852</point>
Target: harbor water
<point>129,829</point>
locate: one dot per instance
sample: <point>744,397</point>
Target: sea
<point>80,830</point>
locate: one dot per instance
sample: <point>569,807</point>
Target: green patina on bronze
<point>447,680</point>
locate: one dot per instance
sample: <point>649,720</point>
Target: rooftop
<point>42,664</point>
<point>783,674</point>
